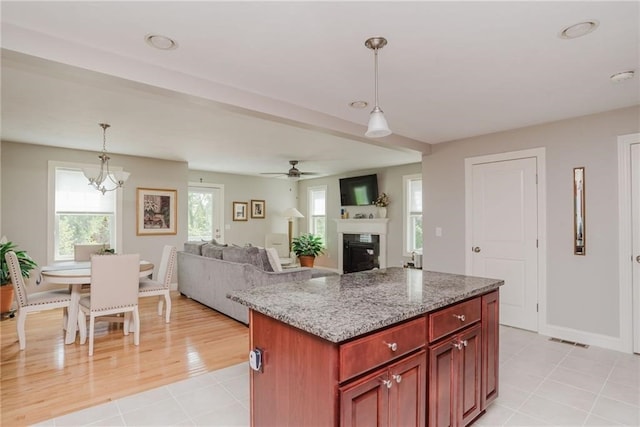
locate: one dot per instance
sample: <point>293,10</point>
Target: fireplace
<point>371,236</point>
<point>360,252</point>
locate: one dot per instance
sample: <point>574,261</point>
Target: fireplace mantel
<point>376,226</point>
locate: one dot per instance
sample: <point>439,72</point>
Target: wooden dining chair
<point>29,303</point>
<point>114,290</point>
<point>160,286</point>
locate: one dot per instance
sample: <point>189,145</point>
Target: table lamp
<point>291,213</point>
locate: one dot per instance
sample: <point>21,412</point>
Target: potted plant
<point>307,247</point>
<point>26,265</point>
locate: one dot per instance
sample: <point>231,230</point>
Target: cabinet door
<point>365,402</point>
<point>469,353</point>
<point>442,373</point>
<point>490,350</point>
<point>407,402</point>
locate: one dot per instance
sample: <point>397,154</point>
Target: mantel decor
<point>156,211</point>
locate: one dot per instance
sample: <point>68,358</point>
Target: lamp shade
<point>378,126</point>
<point>292,213</point>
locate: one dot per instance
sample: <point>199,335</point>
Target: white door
<point>635,230</point>
<point>206,212</point>
<point>504,234</point>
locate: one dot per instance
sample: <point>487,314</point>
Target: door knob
<point>638,258</point>
<point>476,249</point>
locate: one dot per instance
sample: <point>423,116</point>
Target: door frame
<point>540,155</point>
<point>628,316</point>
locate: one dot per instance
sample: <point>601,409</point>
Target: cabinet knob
<point>638,258</point>
<point>392,346</point>
<point>397,377</point>
<point>460,317</point>
<point>460,344</point>
<point>387,383</point>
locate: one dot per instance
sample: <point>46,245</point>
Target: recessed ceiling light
<point>160,42</point>
<point>358,104</point>
<point>578,30</point>
<point>625,75</point>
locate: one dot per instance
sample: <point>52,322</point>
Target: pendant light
<point>100,177</point>
<point>378,126</point>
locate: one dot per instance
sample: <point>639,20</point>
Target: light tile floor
<point>541,383</point>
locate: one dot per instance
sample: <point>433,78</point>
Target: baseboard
<point>598,340</point>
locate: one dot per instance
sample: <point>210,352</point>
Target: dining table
<point>75,274</point>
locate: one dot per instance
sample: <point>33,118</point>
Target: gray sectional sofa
<point>208,271</point>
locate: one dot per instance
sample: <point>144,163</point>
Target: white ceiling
<point>255,84</point>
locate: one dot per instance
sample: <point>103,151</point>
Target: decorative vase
<point>6,298</point>
<point>382,212</point>
<point>306,260</point>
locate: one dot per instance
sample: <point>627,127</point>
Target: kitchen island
<point>383,347</point>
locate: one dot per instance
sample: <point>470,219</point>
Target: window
<point>317,209</point>
<point>412,213</point>
<point>79,213</point>
<point>206,213</point>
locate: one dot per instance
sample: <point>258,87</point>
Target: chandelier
<point>102,179</point>
<point>378,126</point>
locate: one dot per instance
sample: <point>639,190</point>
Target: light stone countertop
<point>338,308</point>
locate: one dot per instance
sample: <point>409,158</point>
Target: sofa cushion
<point>274,259</point>
<point>212,251</point>
<point>247,255</point>
<point>264,259</point>
<point>194,247</point>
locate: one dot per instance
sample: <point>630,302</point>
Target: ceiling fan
<point>294,172</point>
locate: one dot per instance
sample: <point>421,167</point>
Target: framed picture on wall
<point>240,211</point>
<point>257,209</point>
<point>156,211</point>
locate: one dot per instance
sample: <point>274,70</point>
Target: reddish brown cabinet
<point>455,378</point>
<point>490,347</point>
<point>392,396</point>
<point>437,369</point>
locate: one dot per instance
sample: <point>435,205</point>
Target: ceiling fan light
<point>378,126</point>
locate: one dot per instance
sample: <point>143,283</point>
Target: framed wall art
<point>257,209</point>
<point>156,212</point>
<point>240,211</point>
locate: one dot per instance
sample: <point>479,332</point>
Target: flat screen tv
<point>358,190</point>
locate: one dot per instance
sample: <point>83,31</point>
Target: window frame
<point>407,213</point>
<point>51,206</point>
<point>310,219</point>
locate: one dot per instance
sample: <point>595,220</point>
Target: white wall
<point>24,196</point>
<point>582,291</point>
<point>278,194</point>
<point>389,181</point>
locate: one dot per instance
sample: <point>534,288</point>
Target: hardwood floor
<point>49,378</point>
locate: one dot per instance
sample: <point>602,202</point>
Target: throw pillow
<point>216,243</point>
<point>193,248</point>
<point>274,259</point>
<point>212,251</point>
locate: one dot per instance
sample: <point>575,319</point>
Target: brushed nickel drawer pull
<point>387,383</point>
<point>393,346</point>
<point>397,377</point>
<point>460,317</point>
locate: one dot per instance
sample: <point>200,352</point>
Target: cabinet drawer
<point>451,319</point>
<point>361,355</point>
